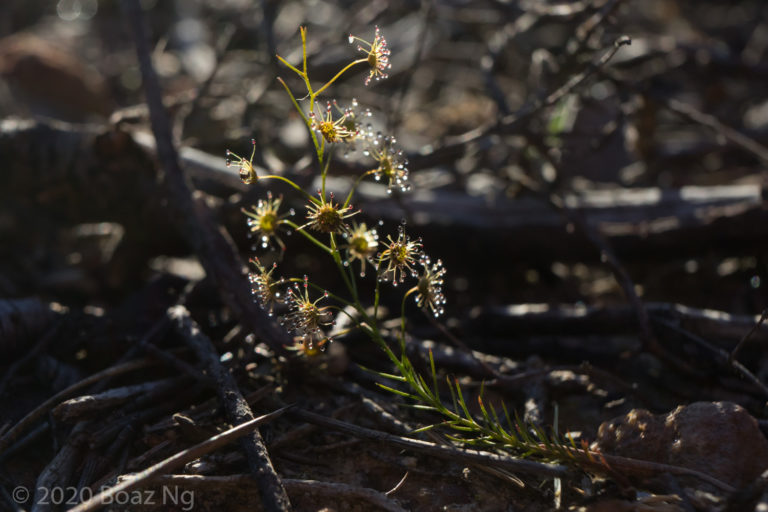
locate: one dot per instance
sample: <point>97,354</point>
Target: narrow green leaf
<point>434,373</point>
<point>290,66</point>
<point>391,376</point>
<point>462,403</point>
<point>453,393</point>
<point>424,429</point>
<point>422,407</point>
<point>397,391</point>
<point>497,424</point>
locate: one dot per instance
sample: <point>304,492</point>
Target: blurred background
<point>460,73</point>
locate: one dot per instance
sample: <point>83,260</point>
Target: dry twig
<point>41,410</point>
<point>216,251</point>
<point>176,461</point>
<point>236,407</point>
<point>446,452</point>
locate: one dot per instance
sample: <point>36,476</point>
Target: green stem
<point>303,31</point>
<point>344,70</point>
<point>291,183</point>
<point>325,167</point>
<point>309,237</point>
<point>402,317</point>
<point>375,335</point>
<point>320,149</point>
<point>376,298</point>
<point>337,259</point>
<point>355,185</point>
<point>353,280</point>
<point>301,112</point>
<point>291,67</point>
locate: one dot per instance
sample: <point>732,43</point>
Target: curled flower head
<point>247,172</point>
<point>392,167</point>
<point>342,129</point>
<point>265,220</point>
<point>400,256</point>
<point>362,244</point>
<point>327,216</point>
<point>306,319</point>
<point>430,286</point>
<point>377,55</point>
<point>265,287</point>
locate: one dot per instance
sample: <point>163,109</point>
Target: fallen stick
<point>41,410</point>
<point>59,471</point>
<point>614,463</point>
<point>640,223</point>
<point>74,408</point>
<point>436,450</point>
<point>215,249</point>
<point>576,319</point>
<point>237,409</point>
<point>176,461</point>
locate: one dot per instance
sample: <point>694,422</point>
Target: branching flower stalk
<point>395,261</point>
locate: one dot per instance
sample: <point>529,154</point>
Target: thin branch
<point>78,407</point>
<point>608,256</point>
<point>722,357</point>
<point>730,134</point>
<point>39,347</point>
<point>41,410</point>
<point>60,469</point>
<point>272,492</point>
<point>510,123</point>
<point>398,485</point>
<point>614,463</point>
<point>743,341</point>
<point>176,461</point>
<point>216,251</point>
<point>587,28</point>
<point>446,452</point>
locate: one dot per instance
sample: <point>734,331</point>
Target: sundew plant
<point>331,223</point>
<point>397,260</point>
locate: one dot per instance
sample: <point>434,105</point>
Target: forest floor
<point>599,207</point>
